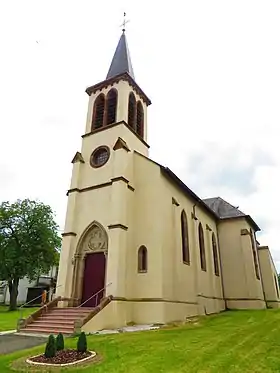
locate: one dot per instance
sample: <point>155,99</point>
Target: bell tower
<point>100,198</point>
<point>119,101</point>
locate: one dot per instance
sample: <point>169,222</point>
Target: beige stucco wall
<point>239,277</point>
<point>156,225</point>
<point>269,277</point>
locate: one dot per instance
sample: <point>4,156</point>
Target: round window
<point>100,156</point>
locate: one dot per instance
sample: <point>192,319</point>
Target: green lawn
<point>235,341</point>
<point>8,320</point>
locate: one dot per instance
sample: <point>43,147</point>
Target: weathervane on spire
<point>124,22</point>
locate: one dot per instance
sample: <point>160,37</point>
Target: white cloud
<point>211,69</point>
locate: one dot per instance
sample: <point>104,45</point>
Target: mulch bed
<point>62,357</point>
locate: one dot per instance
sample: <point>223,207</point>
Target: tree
<point>82,343</point>
<point>59,342</point>
<point>28,242</point>
<point>50,349</point>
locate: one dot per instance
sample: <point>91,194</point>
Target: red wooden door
<point>94,279</point>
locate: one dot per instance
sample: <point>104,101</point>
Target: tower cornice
<point>125,77</point>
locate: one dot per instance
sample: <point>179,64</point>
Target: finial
<point>124,22</point>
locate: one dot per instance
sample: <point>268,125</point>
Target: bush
<point>59,342</point>
<point>50,349</point>
<point>82,343</point>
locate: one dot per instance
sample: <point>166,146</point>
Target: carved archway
<point>94,239</point>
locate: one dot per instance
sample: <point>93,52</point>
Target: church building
<point>137,240</point>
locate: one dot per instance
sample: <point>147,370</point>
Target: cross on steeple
<point>124,22</point>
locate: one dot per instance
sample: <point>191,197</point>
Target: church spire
<point>121,62</point>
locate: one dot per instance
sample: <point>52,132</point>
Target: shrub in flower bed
<point>50,349</point>
<point>56,354</point>
<point>60,342</point>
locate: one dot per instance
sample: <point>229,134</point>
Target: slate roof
<point>121,62</point>
<point>225,210</point>
<point>222,208</point>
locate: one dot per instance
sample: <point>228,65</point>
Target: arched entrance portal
<point>90,266</point>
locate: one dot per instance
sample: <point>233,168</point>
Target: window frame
<point>185,246</point>
<point>95,105</point>
<point>142,259</point>
<point>202,251</point>
<point>215,255</point>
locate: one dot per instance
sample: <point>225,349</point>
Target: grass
<point>232,342</point>
<point>8,319</point>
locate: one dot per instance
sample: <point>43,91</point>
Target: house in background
<point>28,290</point>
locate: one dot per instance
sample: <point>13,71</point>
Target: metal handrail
<point>32,300</point>
<point>94,295</point>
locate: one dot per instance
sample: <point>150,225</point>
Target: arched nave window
<point>185,238</point>
<point>201,247</point>
<point>142,259</point>
<point>215,255</point>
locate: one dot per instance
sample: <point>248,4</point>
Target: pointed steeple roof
<point>121,62</point>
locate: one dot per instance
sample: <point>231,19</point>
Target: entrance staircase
<point>57,320</point>
<point>51,319</point>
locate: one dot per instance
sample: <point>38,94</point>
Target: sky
<point>211,69</point>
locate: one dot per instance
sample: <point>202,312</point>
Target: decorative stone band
<point>246,299</point>
<point>193,216</point>
<point>244,232</point>
<point>175,202</point>
<point>208,297</point>
<point>151,300</point>
<point>67,234</point>
<point>103,185</point>
<point>121,226</point>
<point>113,125</point>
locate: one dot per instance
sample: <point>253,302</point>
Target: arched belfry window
<point>131,110</point>
<point>111,106</point>
<point>255,255</point>
<point>142,259</point>
<point>215,255</point>
<point>140,120</point>
<point>98,112</point>
<point>185,238</point>
<point>201,247</point>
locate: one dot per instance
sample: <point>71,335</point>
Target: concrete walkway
<point>14,342</point>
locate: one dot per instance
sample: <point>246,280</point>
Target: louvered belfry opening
<point>111,106</point>
<point>140,119</point>
<point>98,112</point>
<point>131,110</point>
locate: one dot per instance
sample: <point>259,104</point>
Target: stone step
<point>46,330</point>
<point>74,308</point>
<point>69,312</point>
<point>49,319</point>
<point>53,323</point>
<point>72,315</point>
